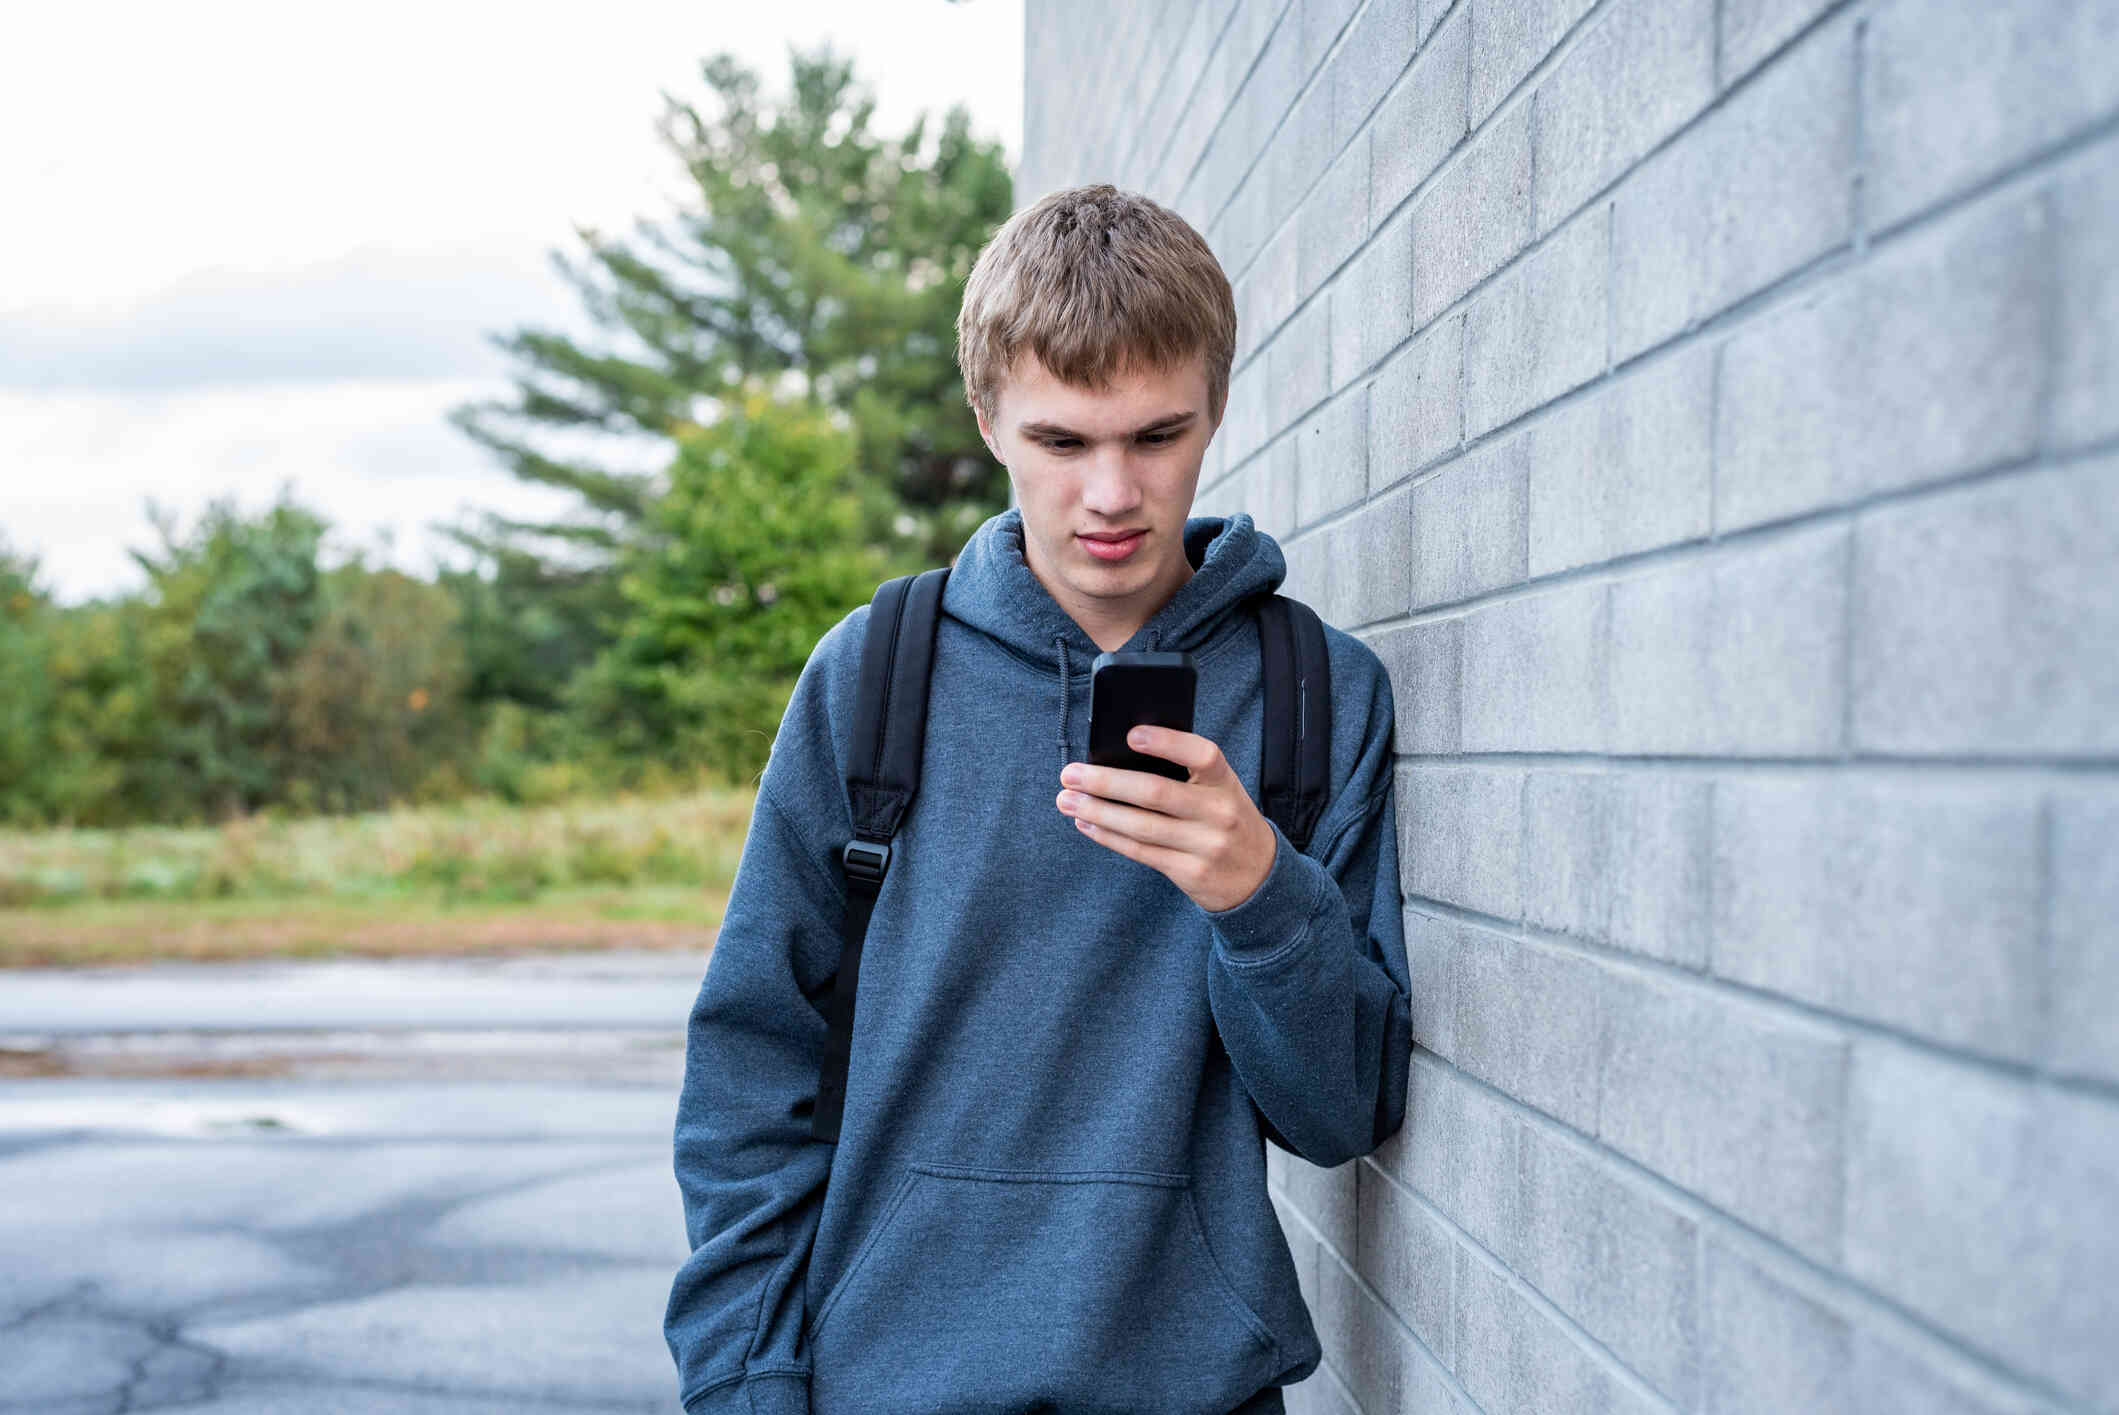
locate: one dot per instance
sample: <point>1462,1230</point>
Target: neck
<point>1111,624</point>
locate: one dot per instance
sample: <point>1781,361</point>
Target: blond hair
<point>1093,280</point>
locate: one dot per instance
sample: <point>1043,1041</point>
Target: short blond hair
<point>1093,280</point>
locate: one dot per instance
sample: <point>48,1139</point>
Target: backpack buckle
<point>866,860</point>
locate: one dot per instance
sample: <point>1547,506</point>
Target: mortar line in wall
<point>1702,549</point>
<point>1592,1346</point>
<point>1849,623</point>
<point>1847,1027</point>
<point>1326,1250</point>
<point>2026,773</point>
<point>2042,943</point>
<point>1714,440</point>
<point>2050,315</point>
<point>1858,183</point>
<point>1828,1286</point>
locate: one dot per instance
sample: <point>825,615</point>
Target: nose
<point>1109,487</point>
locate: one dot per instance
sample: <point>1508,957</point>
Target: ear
<point>986,433</point>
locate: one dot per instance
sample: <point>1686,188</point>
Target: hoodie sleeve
<point>750,1173</point>
<point>1307,978</point>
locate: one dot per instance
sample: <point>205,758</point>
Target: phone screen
<point>1126,689</point>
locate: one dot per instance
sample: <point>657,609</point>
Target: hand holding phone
<point>1126,689</point>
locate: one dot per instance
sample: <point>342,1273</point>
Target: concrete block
<point>1381,571</point>
<point>1319,23</point>
<point>1278,282</point>
<point>1332,457</point>
<point>2083,1032</point>
<point>1406,1254</point>
<point>1298,154</point>
<point>1430,953</point>
<point>1302,1240</point>
<point>1911,904</point>
<point>1416,411</point>
<point>2085,206</point>
<point>1612,1255</point>
<point>1362,1340</point>
<point>1460,832</point>
<point>1955,96</point>
<point>1981,1203</point>
<point>1741,653</point>
<point>1298,366</point>
<point>1372,303</point>
<point>1739,1103</point>
<point>1308,570</point>
<point>1512,1356</point>
<point>1243,422</point>
<point>1758,188</point>
<point>1422,660</point>
<point>1621,859</point>
<point>1536,671</point>
<point>1540,328</point>
<point>1625,468</point>
<point>1474,216</point>
<point>1887,1378</point>
<point>1378,45</point>
<point>1528,1023</point>
<point>1471,521</point>
<point>1274,490</point>
<point>1509,38</point>
<point>1926,362</point>
<point>1642,70</point>
<point>1461,1150</point>
<point>1344,590</point>
<point>1423,119</point>
<point>1324,1197</point>
<point>1766,1347</point>
<point>1975,612</point>
<point>1334,219</point>
<point>1754,29</point>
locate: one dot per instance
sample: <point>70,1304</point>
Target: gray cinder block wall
<point>1710,411</point>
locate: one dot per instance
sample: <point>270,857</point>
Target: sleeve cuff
<point>766,1393</point>
<point>1278,911</point>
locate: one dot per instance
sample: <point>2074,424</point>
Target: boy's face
<point>1088,463</point>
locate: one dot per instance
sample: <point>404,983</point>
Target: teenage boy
<point>1089,996</point>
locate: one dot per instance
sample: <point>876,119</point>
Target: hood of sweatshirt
<point>991,589</point>
<point>1048,1191</point>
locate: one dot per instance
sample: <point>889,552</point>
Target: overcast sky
<point>248,244</point>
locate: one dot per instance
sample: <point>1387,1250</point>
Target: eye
<point>1157,439</point>
<point>1059,444</point>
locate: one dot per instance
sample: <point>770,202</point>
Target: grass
<point>473,877</point>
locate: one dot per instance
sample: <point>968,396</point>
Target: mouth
<point>1113,545</point>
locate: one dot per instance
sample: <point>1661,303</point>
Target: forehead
<point>1135,395</point>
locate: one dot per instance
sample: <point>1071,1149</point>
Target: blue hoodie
<point>1049,1189</point>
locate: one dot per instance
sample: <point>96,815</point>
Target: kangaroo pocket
<point>996,1289</point>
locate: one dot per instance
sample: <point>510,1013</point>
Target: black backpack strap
<point>883,772</point>
<point>1295,770</point>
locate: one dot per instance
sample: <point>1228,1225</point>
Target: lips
<point>1113,551</point>
<point>1112,537</point>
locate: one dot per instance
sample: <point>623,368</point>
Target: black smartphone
<point>1126,689</point>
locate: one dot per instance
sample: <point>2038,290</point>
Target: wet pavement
<point>430,1187</point>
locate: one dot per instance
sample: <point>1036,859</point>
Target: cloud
<point>374,312</point>
<point>373,456</point>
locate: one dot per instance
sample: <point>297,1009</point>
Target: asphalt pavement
<point>432,1187</point>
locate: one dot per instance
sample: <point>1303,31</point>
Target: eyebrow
<point>1167,422</point>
